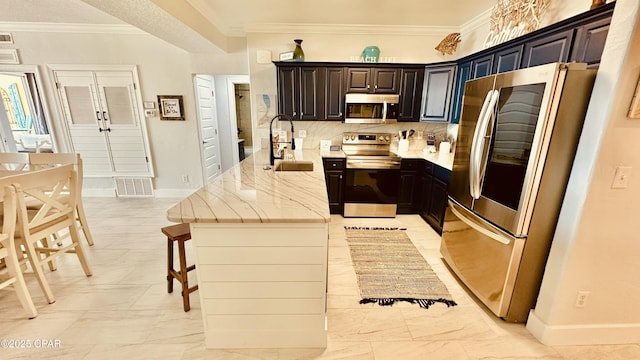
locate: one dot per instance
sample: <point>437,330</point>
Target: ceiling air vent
<point>133,187</point>
<point>6,38</point>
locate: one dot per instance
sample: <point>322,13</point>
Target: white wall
<point>163,70</point>
<point>596,245</point>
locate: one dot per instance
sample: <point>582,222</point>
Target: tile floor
<point>124,311</point>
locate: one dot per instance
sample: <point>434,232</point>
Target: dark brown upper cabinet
<point>373,80</point>
<point>411,85</point>
<point>301,92</point>
<point>334,93</point>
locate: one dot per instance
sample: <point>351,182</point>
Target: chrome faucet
<point>272,156</point>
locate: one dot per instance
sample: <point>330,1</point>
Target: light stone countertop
<point>247,193</point>
<point>443,160</point>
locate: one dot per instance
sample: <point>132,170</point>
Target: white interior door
<point>121,118</point>
<point>79,100</point>
<point>210,146</point>
<point>104,120</point>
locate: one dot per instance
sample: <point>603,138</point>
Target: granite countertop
<point>443,160</point>
<point>252,192</point>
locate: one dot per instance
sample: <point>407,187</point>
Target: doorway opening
<point>243,116</point>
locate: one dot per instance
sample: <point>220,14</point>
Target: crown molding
<point>348,29</point>
<point>478,21</point>
<point>70,28</point>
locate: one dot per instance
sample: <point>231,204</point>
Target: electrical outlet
<point>302,133</point>
<point>185,178</point>
<point>581,298</point>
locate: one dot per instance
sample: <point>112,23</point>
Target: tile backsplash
<point>332,130</point>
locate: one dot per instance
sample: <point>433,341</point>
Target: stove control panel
<point>366,138</point>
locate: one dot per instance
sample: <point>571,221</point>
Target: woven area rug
<point>389,268</point>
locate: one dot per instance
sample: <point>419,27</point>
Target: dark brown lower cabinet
<point>334,177</point>
<point>434,181</point>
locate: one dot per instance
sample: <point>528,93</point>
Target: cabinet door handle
<point>98,116</point>
<point>104,116</point>
<point>301,115</point>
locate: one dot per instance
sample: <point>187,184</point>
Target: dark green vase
<point>298,54</point>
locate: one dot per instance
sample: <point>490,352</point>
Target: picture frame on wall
<point>171,107</point>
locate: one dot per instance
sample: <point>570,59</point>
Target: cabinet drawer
<point>410,164</point>
<point>442,173</point>
<point>428,167</point>
<point>334,164</point>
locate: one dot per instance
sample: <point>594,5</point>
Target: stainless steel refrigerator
<point>516,143</point>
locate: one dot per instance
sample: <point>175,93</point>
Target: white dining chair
<point>56,191</point>
<point>43,160</point>
<point>11,273</point>
<point>14,161</point>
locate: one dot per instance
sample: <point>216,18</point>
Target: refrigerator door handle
<point>472,169</point>
<point>479,228</point>
<point>477,146</point>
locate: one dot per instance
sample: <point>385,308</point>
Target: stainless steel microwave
<point>371,108</point>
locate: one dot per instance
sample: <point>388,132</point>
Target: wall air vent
<point>6,39</point>
<point>9,56</point>
<point>133,187</point>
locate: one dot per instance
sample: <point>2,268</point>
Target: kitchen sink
<point>294,166</point>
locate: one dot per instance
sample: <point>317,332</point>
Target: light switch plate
<point>621,178</point>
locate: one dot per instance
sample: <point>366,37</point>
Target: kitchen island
<point>260,239</point>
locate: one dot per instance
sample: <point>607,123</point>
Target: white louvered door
<point>121,118</point>
<point>104,121</point>
<point>77,90</point>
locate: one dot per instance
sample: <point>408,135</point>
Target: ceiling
<point>201,25</point>
<point>238,16</point>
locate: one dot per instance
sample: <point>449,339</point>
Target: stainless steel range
<point>372,176</point>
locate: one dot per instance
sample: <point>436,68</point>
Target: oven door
<point>371,192</point>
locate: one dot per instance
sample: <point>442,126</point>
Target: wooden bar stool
<point>179,233</point>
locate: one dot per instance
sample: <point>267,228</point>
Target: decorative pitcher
<point>298,54</point>
<point>371,54</point>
